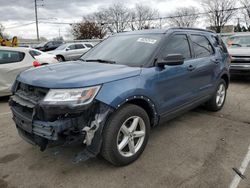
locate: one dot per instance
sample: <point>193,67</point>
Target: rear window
<point>34,53</point>
<point>202,47</point>
<point>218,42</point>
<point>11,56</point>
<point>57,42</point>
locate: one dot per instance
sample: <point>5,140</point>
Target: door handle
<point>190,67</point>
<point>216,61</point>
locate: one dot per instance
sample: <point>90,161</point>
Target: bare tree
<point>184,17</point>
<point>141,17</point>
<point>116,17</point>
<point>87,30</point>
<point>246,12</point>
<point>219,12</point>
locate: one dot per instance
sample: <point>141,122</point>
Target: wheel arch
<point>60,55</point>
<point>226,78</point>
<point>146,104</point>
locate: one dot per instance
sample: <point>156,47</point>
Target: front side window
<point>11,56</point>
<point>202,47</point>
<point>177,44</point>
<point>72,47</point>
<point>132,50</point>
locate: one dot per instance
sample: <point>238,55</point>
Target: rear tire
<point>125,135</point>
<point>218,99</point>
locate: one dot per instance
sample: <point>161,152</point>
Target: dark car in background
<point>110,99</point>
<point>239,50</point>
<point>48,46</point>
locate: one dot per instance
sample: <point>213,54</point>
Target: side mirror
<point>171,60</point>
<point>67,49</point>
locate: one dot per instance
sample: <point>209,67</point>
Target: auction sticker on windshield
<point>146,40</point>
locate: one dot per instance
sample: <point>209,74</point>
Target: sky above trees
<point>17,16</point>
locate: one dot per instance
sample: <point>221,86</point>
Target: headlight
<point>77,96</point>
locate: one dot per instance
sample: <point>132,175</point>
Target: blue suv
<point>110,98</point>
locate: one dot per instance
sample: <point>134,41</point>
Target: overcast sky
<point>18,16</point>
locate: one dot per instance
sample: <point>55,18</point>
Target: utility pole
<point>37,31</point>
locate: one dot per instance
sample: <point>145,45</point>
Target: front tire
<point>125,135</point>
<point>60,58</point>
<point>218,99</point>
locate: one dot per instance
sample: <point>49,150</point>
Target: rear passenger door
<point>204,65</point>
<point>80,50</point>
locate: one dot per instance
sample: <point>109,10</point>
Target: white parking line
<point>244,164</point>
<point>5,113</point>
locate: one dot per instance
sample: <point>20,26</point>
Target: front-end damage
<point>45,126</point>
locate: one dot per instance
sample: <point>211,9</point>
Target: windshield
<point>238,41</point>
<point>62,47</point>
<point>41,44</point>
<point>131,50</point>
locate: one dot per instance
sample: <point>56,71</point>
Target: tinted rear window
<point>11,56</point>
<point>202,47</point>
<point>34,53</point>
<point>89,45</point>
<point>79,46</point>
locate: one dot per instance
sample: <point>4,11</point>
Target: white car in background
<point>71,51</point>
<point>42,57</point>
<point>14,60</point>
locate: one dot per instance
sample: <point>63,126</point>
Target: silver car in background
<point>239,49</point>
<point>71,51</point>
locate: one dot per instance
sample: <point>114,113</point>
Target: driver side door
<point>174,85</point>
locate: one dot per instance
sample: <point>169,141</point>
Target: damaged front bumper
<point>43,126</point>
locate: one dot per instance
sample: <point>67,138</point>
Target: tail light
<point>36,64</point>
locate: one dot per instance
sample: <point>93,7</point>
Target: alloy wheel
<point>221,95</point>
<point>131,136</point>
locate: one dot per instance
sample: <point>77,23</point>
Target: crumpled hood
<point>76,74</point>
<point>242,51</point>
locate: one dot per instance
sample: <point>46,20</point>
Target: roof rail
<point>190,28</point>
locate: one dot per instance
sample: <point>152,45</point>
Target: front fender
<point>118,92</point>
<point>114,93</point>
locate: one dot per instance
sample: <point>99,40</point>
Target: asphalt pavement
<point>197,149</point>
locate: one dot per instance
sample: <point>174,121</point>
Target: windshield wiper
<point>100,61</point>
